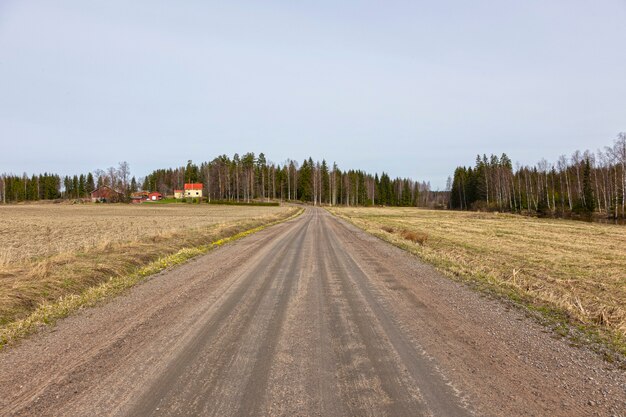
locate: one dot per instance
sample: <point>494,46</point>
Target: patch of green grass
<point>67,283</point>
<point>164,201</point>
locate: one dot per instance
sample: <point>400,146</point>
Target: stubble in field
<point>50,251</point>
<point>575,268</point>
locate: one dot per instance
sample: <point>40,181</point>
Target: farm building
<point>193,190</point>
<point>139,196</point>
<point>106,194</point>
<point>178,194</point>
<point>155,196</point>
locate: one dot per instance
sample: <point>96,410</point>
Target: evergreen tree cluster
<point>249,177</point>
<point>24,188</point>
<point>240,178</point>
<point>483,185</point>
<point>583,184</point>
<point>46,186</point>
<point>78,186</point>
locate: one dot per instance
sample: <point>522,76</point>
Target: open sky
<point>409,87</point>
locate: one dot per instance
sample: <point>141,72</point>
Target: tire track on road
<point>192,363</point>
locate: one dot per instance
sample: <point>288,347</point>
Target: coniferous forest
<point>239,179</point>
<point>251,177</point>
<point>581,185</point>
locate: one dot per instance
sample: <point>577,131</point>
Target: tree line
<point>14,188</point>
<point>585,183</point>
<point>252,177</point>
<point>237,179</point>
<point>36,187</point>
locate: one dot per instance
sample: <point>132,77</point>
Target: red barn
<point>155,196</point>
<point>105,194</point>
<point>193,190</point>
<point>139,196</point>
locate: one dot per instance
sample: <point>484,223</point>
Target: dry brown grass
<point>577,268</point>
<point>41,230</point>
<point>414,236</point>
<point>49,251</point>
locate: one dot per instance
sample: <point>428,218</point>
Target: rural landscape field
<point>313,209</point>
<point>552,265</point>
<point>53,250</point>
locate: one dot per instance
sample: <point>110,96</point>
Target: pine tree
<point>384,191</point>
<point>192,172</point>
<point>305,188</point>
<point>325,182</point>
<point>67,184</point>
<point>81,186</point>
<point>589,200</point>
<point>32,189</point>
<point>89,185</point>
<point>75,186</point>
<point>261,166</point>
<point>481,179</point>
<point>406,193</point>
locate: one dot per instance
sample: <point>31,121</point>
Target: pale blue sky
<point>409,87</point>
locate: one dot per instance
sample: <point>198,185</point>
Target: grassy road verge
<point>84,278</point>
<point>571,275</point>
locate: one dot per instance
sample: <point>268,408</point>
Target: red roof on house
<point>178,191</point>
<point>104,192</point>
<point>155,194</point>
<point>193,186</point>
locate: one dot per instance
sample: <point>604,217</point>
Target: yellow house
<point>193,190</point>
<point>178,194</point>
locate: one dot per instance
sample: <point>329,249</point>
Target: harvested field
<point>574,270</point>
<point>40,230</point>
<point>50,251</point>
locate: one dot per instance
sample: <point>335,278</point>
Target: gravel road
<point>311,317</point>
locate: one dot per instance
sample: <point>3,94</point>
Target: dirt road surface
<point>311,317</point>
